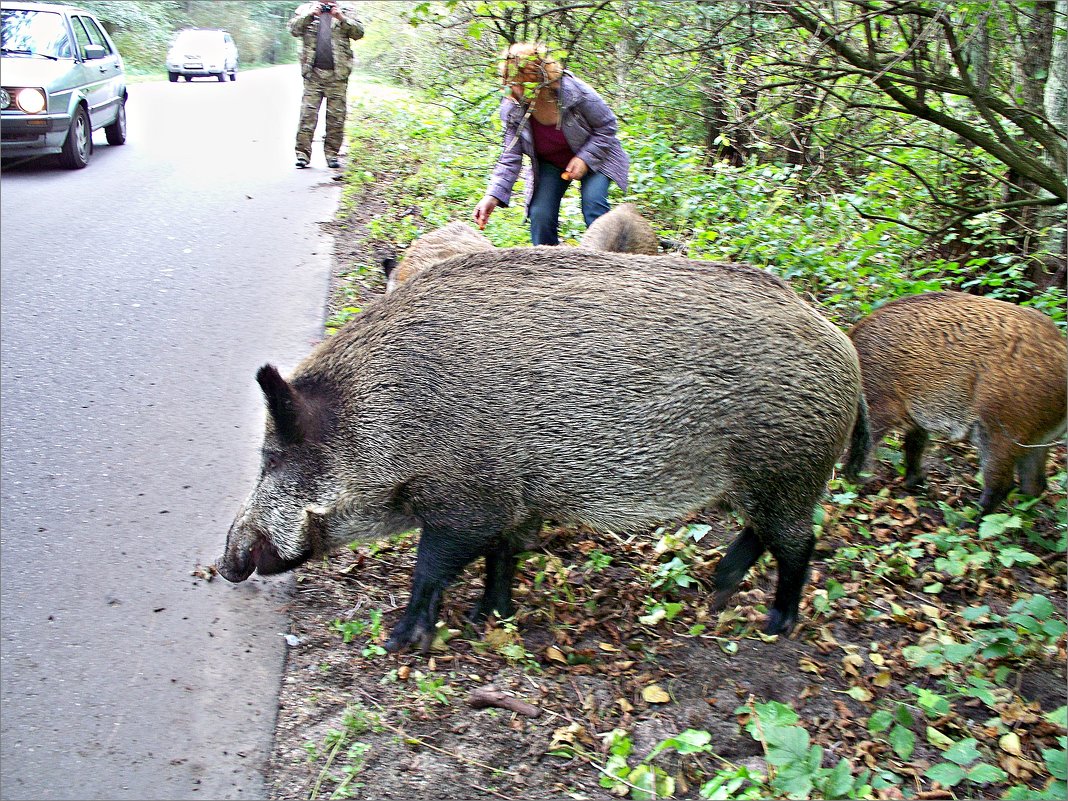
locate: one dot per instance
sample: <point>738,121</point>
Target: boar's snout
<point>246,546</point>
<point>249,549</point>
<point>235,569</point>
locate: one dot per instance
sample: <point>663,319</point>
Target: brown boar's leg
<point>791,545</point>
<point>1032,470</point>
<point>732,568</point>
<point>442,554</point>
<point>915,445</point>
<point>997,460</point>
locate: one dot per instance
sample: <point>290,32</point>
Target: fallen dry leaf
<point>655,694</point>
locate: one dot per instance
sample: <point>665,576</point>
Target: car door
<point>104,76</point>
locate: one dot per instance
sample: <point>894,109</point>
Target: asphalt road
<point>139,296</point>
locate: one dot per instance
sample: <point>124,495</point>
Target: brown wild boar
<point>622,230</point>
<point>966,367</point>
<point>443,243</point>
<point>498,389</point>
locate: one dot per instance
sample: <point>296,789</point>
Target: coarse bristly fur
<point>453,239</point>
<point>966,367</point>
<point>622,230</point>
<point>496,390</point>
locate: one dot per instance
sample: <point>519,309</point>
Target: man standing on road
<point>325,29</point>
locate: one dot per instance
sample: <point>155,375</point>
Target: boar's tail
<point>859,442</point>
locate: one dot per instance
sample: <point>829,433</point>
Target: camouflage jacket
<point>305,26</point>
<point>590,129</point>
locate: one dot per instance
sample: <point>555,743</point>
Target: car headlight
<point>32,101</point>
<point>5,98</point>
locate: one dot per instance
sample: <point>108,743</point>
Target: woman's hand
<point>576,169</point>
<point>484,209</point>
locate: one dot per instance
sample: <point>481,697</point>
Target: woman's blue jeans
<point>544,208</point>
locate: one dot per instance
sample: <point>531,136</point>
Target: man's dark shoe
<point>301,162</point>
<point>333,162</point>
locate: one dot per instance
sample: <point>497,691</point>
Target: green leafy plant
<point>795,765</point>
<point>345,756</point>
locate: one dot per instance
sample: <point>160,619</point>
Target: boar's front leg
<point>441,555</point>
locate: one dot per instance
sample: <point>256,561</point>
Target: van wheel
<point>233,75</point>
<point>79,143</point>
<point>222,77</point>
<point>172,77</point>
<point>116,132</point>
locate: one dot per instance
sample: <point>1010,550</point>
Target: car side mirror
<point>94,51</point>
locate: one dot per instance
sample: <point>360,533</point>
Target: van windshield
<point>34,33</point>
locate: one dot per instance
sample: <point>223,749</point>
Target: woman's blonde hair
<point>528,55</point>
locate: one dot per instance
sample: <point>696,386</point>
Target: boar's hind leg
<point>1031,467</point>
<point>441,555</point>
<point>792,548</point>
<point>501,564</point>
<point>996,459</point>
<point>791,545</point>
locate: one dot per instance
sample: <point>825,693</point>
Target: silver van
<point>62,78</point>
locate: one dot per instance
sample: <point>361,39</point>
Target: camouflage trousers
<point>318,86</point>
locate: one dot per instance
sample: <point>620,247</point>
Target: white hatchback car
<point>62,78</point>
<point>204,53</point>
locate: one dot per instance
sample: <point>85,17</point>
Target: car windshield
<point>198,39</point>
<point>34,33</point>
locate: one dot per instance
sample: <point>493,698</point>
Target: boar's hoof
<point>484,610</point>
<point>410,632</point>
<point>780,622</point>
<point>914,483</point>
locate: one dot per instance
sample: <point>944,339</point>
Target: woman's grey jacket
<point>588,125</point>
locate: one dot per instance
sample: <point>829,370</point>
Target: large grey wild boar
<point>966,367</point>
<point>442,243</point>
<point>496,390</point>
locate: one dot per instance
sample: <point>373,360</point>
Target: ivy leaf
<point>1056,762</point>
<point>985,774</point>
<point>903,716</point>
<point>649,783</point>
<point>880,721</point>
<point>1058,717</point>
<point>794,780</point>
<point>786,745</point>
<point>839,781</point>
<point>945,773</point>
<point>963,752</point>
<point>903,741</point>
<point>691,741</point>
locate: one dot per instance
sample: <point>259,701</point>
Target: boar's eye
<point>272,462</point>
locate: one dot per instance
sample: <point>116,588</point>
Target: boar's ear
<point>284,404</point>
<point>388,260</point>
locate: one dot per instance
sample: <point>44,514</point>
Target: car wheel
<point>188,78</point>
<point>116,132</point>
<point>79,144</point>
<point>222,77</point>
<point>172,77</point>
<point>233,74</point>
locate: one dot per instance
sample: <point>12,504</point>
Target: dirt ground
<point>356,722</point>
